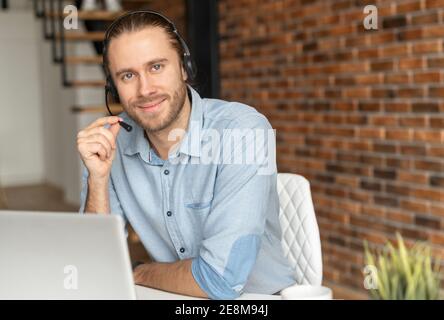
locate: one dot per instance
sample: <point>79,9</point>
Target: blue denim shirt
<point>223,215</point>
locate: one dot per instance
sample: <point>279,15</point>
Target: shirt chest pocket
<point>198,202</point>
<point>197,208</point>
<point>199,192</point>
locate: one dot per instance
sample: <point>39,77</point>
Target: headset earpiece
<point>189,66</point>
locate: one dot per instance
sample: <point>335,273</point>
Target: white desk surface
<point>144,293</point>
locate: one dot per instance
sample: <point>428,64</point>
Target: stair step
<point>87,83</point>
<point>83,59</point>
<point>83,36</point>
<point>115,109</point>
<point>91,15</point>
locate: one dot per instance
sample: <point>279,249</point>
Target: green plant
<point>403,273</point>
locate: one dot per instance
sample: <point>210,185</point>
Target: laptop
<point>64,256</point>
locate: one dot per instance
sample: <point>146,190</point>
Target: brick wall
<point>357,112</point>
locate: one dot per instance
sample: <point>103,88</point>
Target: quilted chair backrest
<point>300,233</point>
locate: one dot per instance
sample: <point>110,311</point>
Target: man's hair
<point>136,22</point>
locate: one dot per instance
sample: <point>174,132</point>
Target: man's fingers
<point>99,138</point>
<point>101,131</point>
<point>96,148</point>
<point>102,121</point>
<point>115,129</point>
<point>89,147</point>
<point>106,133</point>
<point>96,140</point>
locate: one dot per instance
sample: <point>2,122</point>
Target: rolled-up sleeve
<point>235,225</point>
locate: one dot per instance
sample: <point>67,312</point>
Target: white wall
<point>38,131</point>
<point>20,4</point>
<point>21,131</point>
<point>83,97</point>
<point>62,164</point>
<point>58,122</point>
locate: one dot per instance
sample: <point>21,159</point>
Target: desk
<point>144,293</point>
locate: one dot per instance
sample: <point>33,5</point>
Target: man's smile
<point>152,106</point>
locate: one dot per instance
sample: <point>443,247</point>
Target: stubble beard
<point>152,123</point>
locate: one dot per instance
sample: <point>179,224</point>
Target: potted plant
<point>401,273</point>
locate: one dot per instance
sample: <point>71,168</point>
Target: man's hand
<point>97,146</point>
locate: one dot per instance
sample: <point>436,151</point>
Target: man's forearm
<point>97,199</point>
<point>174,277</point>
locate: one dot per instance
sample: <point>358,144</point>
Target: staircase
<point>52,14</point>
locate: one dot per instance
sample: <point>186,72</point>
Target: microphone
<point>123,124</point>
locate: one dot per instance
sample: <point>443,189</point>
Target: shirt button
<point>166,172</point>
<point>182,250</point>
<point>169,213</point>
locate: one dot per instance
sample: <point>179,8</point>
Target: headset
<point>110,88</point>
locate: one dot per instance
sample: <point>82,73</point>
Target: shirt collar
<point>136,143</point>
<point>191,142</point>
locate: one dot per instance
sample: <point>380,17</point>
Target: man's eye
<point>157,67</point>
<point>127,76</point>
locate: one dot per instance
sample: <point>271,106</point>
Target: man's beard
<point>172,113</point>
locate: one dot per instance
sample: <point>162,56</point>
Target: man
<point>211,226</point>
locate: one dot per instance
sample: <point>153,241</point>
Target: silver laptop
<point>63,256</point>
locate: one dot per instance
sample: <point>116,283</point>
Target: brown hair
<point>136,21</point>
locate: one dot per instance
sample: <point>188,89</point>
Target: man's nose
<point>146,86</point>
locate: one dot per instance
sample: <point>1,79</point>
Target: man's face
<point>149,76</point>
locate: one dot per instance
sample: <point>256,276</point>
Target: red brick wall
<point>357,112</point>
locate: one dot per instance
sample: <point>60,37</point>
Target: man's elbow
<point>216,286</point>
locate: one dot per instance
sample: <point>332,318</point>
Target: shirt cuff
<point>214,285</point>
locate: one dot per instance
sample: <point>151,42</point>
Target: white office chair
<point>300,232</point>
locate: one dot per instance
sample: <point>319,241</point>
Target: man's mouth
<point>152,106</point>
